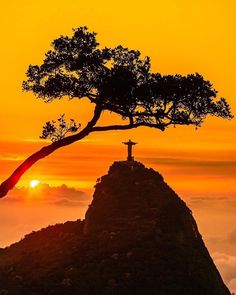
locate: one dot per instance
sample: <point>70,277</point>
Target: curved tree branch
<point>10,182</point>
<point>129,126</point>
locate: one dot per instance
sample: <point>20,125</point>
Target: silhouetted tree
<point>116,80</point>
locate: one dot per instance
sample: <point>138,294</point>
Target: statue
<point>130,145</point>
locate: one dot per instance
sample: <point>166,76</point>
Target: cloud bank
<point>226,264</point>
<point>45,194</point>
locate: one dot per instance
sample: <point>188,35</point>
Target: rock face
<point>138,238</point>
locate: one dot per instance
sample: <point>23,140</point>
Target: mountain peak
<point>133,169</point>
<point>134,207</point>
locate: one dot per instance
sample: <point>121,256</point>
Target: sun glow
<point>34,183</point>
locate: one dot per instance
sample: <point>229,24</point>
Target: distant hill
<point>138,238</point>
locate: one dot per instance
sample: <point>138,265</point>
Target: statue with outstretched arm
<point>130,145</point>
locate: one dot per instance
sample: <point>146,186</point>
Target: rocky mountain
<point>138,238</point>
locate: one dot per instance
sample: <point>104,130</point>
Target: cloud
<point>226,264</point>
<point>223,205</point>
<point>25,209</point>
<point>45,194</point>
<point>214,204</point>
<point>205,199</point>
<point>232,285</point>
<point>11,158</point>
<point>219,167</point>
<point>231,238</point>
<point>66,202</point>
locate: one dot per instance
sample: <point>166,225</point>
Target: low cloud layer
<point>197,166</point>
<point>215,216</point>
<point>226,264</point>
<point>45,194</point>
<point>27,209</point>
<point>232,237</point>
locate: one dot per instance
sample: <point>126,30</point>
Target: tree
<point>117,80</point>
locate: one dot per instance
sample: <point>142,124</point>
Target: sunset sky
<point>180,37</point>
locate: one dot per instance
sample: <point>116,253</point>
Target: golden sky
<point>180,36</point>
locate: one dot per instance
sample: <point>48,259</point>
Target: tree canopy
<point>117,80</point>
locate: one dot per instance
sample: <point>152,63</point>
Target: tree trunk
<point>10,182</point>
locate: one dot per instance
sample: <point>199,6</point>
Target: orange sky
<point>180,36</point>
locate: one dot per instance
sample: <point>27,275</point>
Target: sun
<point>34,183</point>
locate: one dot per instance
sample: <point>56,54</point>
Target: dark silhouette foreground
<point>138,238</point>
<point>117,80</point>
